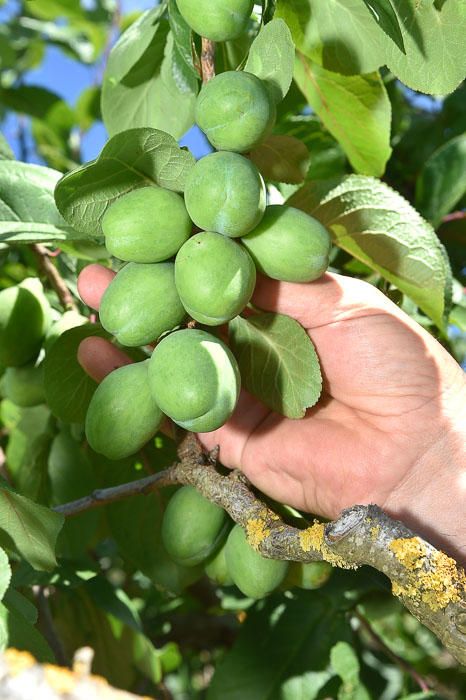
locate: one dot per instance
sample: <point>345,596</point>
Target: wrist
<point>432,498</point>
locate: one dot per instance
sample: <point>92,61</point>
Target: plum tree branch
<point>56,280</point>
<point>429,583</point>
<point>207,59</point>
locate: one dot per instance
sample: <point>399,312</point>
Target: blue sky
<point>68,78</point>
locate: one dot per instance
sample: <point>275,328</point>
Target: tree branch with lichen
<point>431,585</point>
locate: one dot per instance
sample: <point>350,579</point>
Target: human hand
<point>389,428</point>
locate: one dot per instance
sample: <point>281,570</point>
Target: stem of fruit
<point>429,583</point>
<point>48,269</point>
<point>207,59</point>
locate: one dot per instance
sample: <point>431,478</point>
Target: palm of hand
<point>381,409</point>
<point>382,389</point>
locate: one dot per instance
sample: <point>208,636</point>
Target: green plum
<point>215,278</point>
<point>24,385</point>
<point>289,245</point>
<point>146,225</point>
<point>141,303</point>
<point>217,569</point>
<point>193,528</point>
<point>235,111</point>
<point>70,319</point>
<point>23,323</point>
<point>194,379</point>
<point>219,20</point>
<point>225,193</point>
<point>122,415</point>
<point>310,576</point>
<point>252,573</point>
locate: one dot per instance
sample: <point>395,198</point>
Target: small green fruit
<point>309,576</point>
<point>235,111</point>
<point>215,278</point>
<point>225,193</point>
<point>122,415</point>
<point>193,528</point>
<point>141,303</point>
<point>219,20</point>
<point>289,245</point>
<point>252,573</point>
<point>146,225</point>
<point>24,385</point>
<point>22,326</point>
<point>217,569</point>
<point>195,380</point>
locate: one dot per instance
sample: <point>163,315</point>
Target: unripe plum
<point>146,225</point>
<point>122,415</point>
<point>195,379</point>
<point>193,528</point>
<point>225,193</point>
<point>309,576</point>
<point>219,20</point>
<point>24,385</point>
<point>289,245</point>
<point>235,111</point>
<point>141,303</point>
<point>252,573</point>
<point>215,278</point>
<point>22,326</point>
<point>217,569</point>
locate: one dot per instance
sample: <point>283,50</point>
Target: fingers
<point>98,357</point>
<point>92,283</point>
<point>327,300</point>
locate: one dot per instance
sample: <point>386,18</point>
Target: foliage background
<point>350,639</point>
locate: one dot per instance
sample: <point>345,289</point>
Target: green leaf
<point>5,151</point>
<point>72,477</point>
<point>378,226</point>
<point>385,16</point>
<point>327,158</point>
<point>345,663</point>
<point>355,109</point>
<point>282,159</point>
<point>5,573</point>
<point>271,58</point>
<point>77,17</point>
<point>278,362</point>
<point>343,38</point>
<point>442,181</point>
<point>68,37</point>
<point>28,213</point>
<point>32,528</point>
<point>27,452</point>
<point>129,160</point>
<point>139,87</point>
<point>184,73</point>
<point>282,650</point>
<point>68,389</point>
<point>16,631</point>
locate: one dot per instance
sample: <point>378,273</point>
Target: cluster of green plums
<point>172,275</point>
<point>199,535</point>
<point>28,329</point>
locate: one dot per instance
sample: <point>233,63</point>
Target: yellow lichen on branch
<point>257,532</point>
<point>433,579</point>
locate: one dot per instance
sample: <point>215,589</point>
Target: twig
<point>429,583</point>
<point>380,644</point>
<point>207,59</point>
<point>48,626</point>
<point>56,280</point>
<point>102,497</point>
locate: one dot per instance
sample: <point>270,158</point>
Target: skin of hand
<point>389,429</point>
